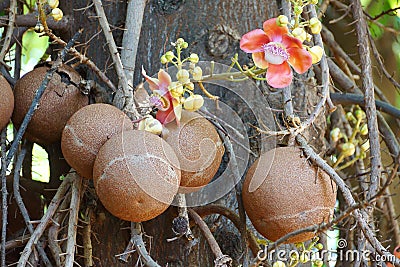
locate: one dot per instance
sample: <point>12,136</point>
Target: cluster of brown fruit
<point>137,174</point>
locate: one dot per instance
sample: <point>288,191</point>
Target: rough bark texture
<point>213,29</point>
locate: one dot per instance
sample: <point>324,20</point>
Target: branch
<point>46,219</point>
<point>73,220</point>
<point>4,194</point>
<point>22,208</point>
<point>11,18</point>
<point>123,81</point>
<point>221,260</point>
<point>30,20</point>
<point>37,97</point>
<point>369,99</point>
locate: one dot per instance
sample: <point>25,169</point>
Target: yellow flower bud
<point>365,146</point>
<point>313,2</point>
<point>348,149</point>
<point>319,246</point>
<point>183,76</point>
<point>316,27</point>
<point>364,129</point>
<point>316,53</point>
<point>282,20</point>
<point>169,56</point>
<point>184,45</point>
<point>57,14</point>
<point>279,264</point>
<point>193,102</point>
<point>180,41</point>
<point>298,9</point>
<point>300,34</point>
<point>335,134</point>
<point>53,3</point>
<point>318,263</point>
<point>197,73</point>
<point>190,86</point>
<point>194,58</point>
<point>151,125</point>
<point>350,117</point>
<point>360,114</point>
<point>176,89</point>
<point>163,59</point>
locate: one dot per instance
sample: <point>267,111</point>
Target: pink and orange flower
<point>273,49</point>
<point>169,108</point>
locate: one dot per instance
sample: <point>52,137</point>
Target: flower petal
<point>300,59</point>
<point>253,41</point>
<point>273,31</point>
<point>259,60</point>
<point>279,76</point>
<point>164,78</point>
<point>289,42</point>
<point>153,83</point>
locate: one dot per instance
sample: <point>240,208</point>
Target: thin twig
<point>4,193</point>
<point>10,28</point>
<point>182,211</point>
<point>76,194</point>
<point>46,219</point>
<point>35,102</point>
<point>221,260</point>
<point>123,81</point>
<point>22,208</point>
<point>87,240</point>
<point>368,88</point>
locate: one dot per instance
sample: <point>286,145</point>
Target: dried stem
<point>76,194</point>
<point>220,259</point>
<point>37,97</point>
<point>368,88</point>
<point>182,210</point>
<point>46,219</point>
<point>4,193</point>
<point>10,28</point>
<point>123,81</point>
<point>22,208</point>
<point>87,240</point>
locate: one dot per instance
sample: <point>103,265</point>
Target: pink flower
<point>169,107</point>
<point>274,49</point>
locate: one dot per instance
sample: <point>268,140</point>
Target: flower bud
<point>298,9</point>
<point>163,59</point>
<point>279,264</point>
<point>315,25</point>
<point>183,76</point>
<point>316,53</point>
<point>300,34</point>
<point>350,117</point>
<point>184,45</point>
<point>176,89</point>
<point>335,134</point>
<point>365,146</point>
<point>313,2</point>
<point>190,86</point>
<point>169,56</point>
<point>364,129</point>
<point>360,114</point>
<point>282,20</point>
<point>197,73</point>
<point>319,246</point>
<point>180,41</point>
<point>53,3</point>
<point>194,58</point>
<point>151,125</point>
<point>39,27</point>
<point>348,149</point>
<point>193,102</point>
<point>318,263</point>
<point>57,14</point>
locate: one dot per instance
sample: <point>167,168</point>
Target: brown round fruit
<point>283,192</point>
<point>6,102</point>
<point>61,99</point>
<point>198,147</point>
<point>87,130</point>
<point>136,175</point>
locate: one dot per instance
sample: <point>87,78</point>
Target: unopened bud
<point>169,56</point>
<point>53,3</point>
<point>193,102</point>
<point>298,10</point>
<point>279,264</point>
<point>197,73</point>
<point>350,117</point>
<point>282,20</point>
<point>348,149</point>
<point>304,257</point>
<point>364,129</point>
<point>335,134</point>
<point>360,114</point>
<point>316,53</point>
<point>163,59</point>
<point>183,76</point>
<point>300,34</point>
<point>180,41</point>
<point>57,14</point>
<point>176,89</point>
<point>194,58</point>
<point>365,146</point>
<point>151,125</point>
<point>315,25</point>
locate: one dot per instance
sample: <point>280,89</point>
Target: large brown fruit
<point>283,192</point>
<point>61,99</point>
<point>198,147</point>
<point>136,175</point>
<point>87,130</point>
<point>6,102</point>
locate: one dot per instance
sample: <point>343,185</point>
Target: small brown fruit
<point>283,192</point>
<point>61,99</point>
<point>87,130</point>
<point>6,102</point>
<point>198,147</point>
<point>136,175</point>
